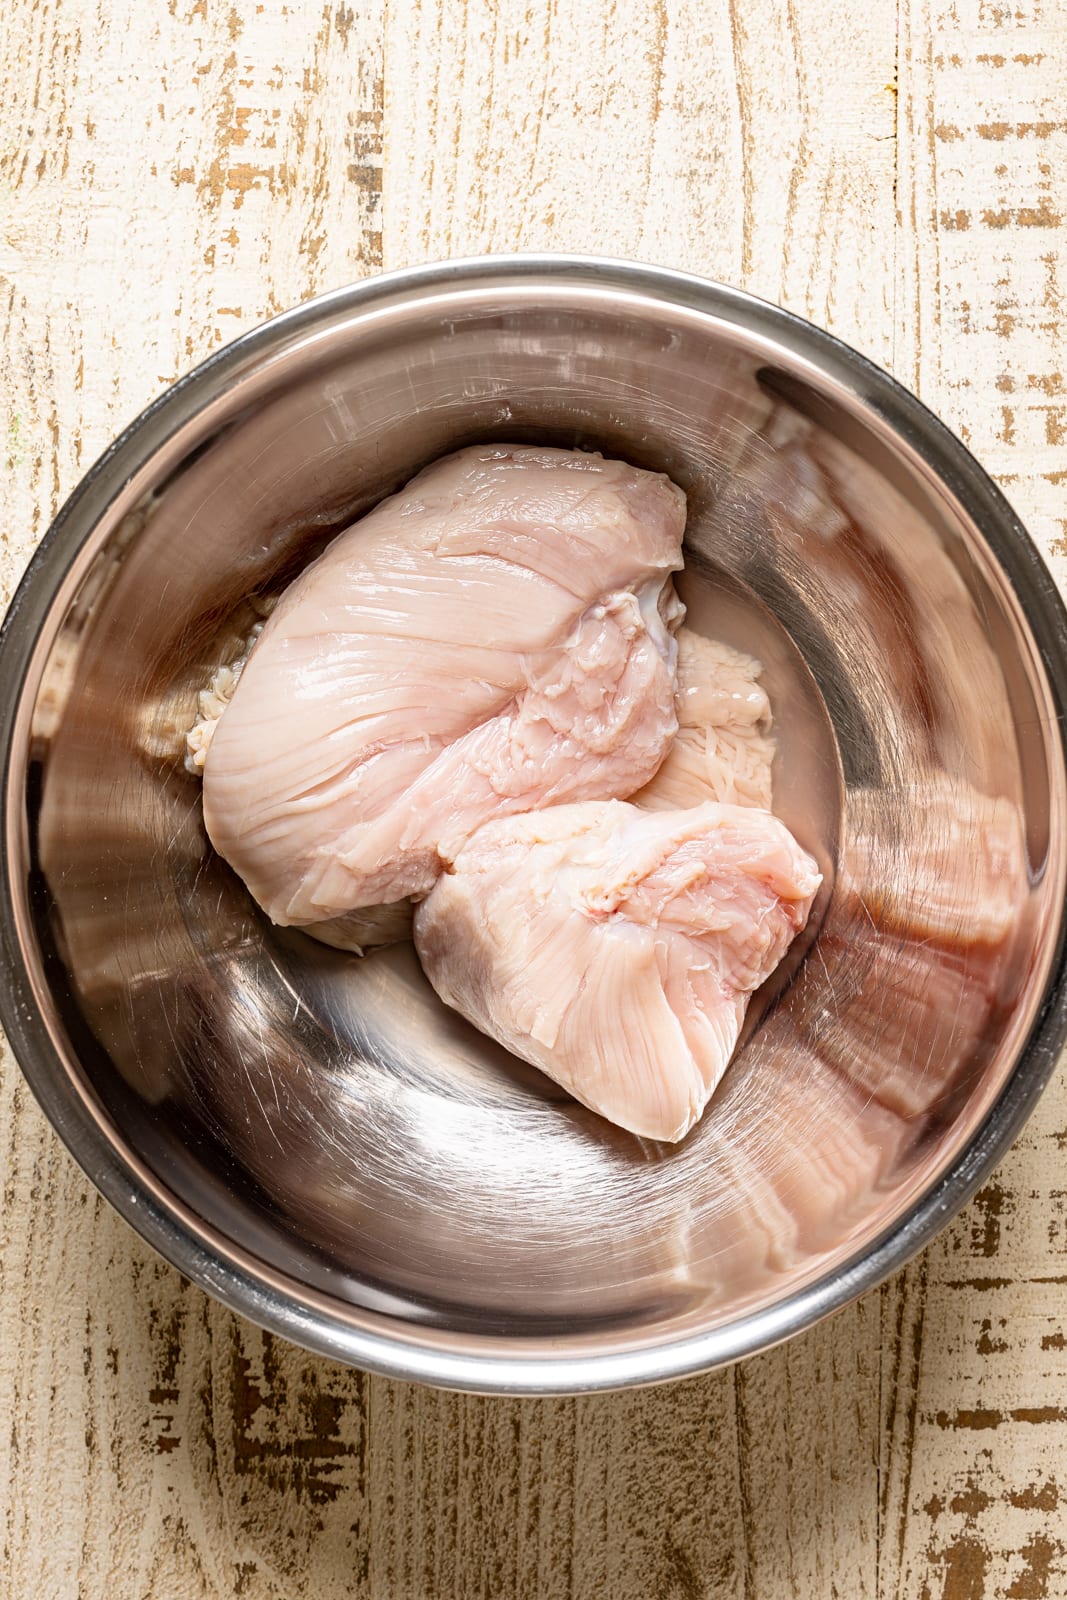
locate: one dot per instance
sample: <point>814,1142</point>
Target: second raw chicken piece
<point>615,948</point>
<point>722,750</point>
<point>497,637</point>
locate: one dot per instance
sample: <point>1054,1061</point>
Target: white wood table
<point>173,171</point>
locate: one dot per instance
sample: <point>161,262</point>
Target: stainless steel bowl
<point>315,1140</point>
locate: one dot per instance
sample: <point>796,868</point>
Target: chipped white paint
<point>169,174</point>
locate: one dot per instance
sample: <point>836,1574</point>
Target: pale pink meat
<point>616,948</point>
<point>497,637</point>
<point>722,750</point>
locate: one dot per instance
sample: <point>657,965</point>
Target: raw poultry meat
<point>721,750</point>
<point>495,638</point>
<point>616,948</point>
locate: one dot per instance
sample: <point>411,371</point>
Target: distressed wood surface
<point>171,173</point>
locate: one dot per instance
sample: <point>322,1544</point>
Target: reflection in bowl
<point>313,1137</point>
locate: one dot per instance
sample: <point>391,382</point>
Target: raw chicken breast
<point>722,750</point>
<point>616,948</point>
<point>496,637</point>
<point>212,701</point>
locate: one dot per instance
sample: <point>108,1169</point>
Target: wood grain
<point>171,173</point>
<point>972,1471</point>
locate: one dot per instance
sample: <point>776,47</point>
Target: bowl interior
<point>325,1123</point>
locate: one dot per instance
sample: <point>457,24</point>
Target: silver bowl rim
<point>257,1294</point>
